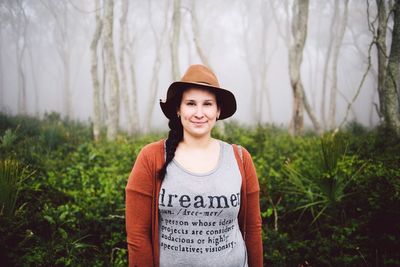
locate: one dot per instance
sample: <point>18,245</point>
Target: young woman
<point>192,200</point>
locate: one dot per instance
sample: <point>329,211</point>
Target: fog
<point>245,43</point>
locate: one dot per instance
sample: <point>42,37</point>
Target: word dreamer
<point>199,201</point>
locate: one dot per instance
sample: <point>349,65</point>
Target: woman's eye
<point>190,104</point>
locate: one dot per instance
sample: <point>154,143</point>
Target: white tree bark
<point>113,110</point>
<point>19,23</point>
<point>389,90</point>
<point>176,22</point>
<point>59,11</point>
<point>196,35</point>
<point>122,54</point>
<point>299,34</point>
<point>159,41</point>
<point>94,73</point>
<point>336,51</point>
<point>332,33</point>
<point>381,52</point>
<point>1,73</point>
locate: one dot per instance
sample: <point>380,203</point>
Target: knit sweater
<point>141,213</point>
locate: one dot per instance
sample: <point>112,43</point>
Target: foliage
<point>12,174</point>
<point>330,201</point>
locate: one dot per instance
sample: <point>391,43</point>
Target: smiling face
<point>198,111</point>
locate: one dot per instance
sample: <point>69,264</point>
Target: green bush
<point>324,202</point>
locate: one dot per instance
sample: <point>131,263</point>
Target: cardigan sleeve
<point>138,212</point>
<point>253,217</point>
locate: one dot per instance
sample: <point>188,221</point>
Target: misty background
<point>46,57</point>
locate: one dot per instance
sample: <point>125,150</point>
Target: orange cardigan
<point>141,211</point>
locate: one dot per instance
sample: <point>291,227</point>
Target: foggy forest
<point>55,57</point>
<point>317,91</point>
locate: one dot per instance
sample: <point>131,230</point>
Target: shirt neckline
<point>203,174</point>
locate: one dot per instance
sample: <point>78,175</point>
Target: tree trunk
<point>336,51</point>
<point>60,15</point>
<point>264,65</point>
<point>95,76</point>
<point>196,36</point>
<point>299,34</point>
<point>34,81</point>
<point>381,51</point>
<point>134,102</point>
<point>20,51</point>
<point>176,21</point>
<point>1,73</point>
<point>332,34</point>
<point>122,53</point>
<point>158,41</point>
<point>389,90</point>
<point>113,110</point>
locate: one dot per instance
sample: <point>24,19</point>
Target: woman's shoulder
<point>154,147</point>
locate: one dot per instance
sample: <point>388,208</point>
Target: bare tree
<point>112,73</point>
<point>176,22</point>
<point>196,35</point>
<point>264,62</point>
<point>299,34</point>
<point>34,79</point>
<point>59,11</point>
<point>159,41</point>
<point>1,72</point>
<point>132,123</point>
<point>94,73</point>
<point>381,51</point>
<point>389,94</point>
<point>336,50</point>
<point>333,23</point>
<point>18,22</point>
<point>134,99</point>
<point>254,60</point>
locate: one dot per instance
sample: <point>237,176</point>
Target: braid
<point>175,136</point>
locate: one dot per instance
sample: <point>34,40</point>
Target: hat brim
<point>225,98</point>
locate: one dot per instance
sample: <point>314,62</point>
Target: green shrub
<point>71,210</point>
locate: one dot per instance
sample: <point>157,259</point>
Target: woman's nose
<point>199,112</point>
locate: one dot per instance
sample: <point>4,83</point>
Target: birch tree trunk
<point>34,81</point>
<point>299,34</point>
<point>381,51</point>
<point>196,36</point>
<point>122,54</point>
<point>20,51</point>
<point>176,21</point>
<point>19,25</point>
<point>1,72</point>
<point>134,102</point>
<point>156,70</point>
<point>113,110</point>
<point>336,51</point>
<point>59,11</point>
<point>94,73</point>
<point>389,90</point>
<point>264,64</point>
<point>332,34</point>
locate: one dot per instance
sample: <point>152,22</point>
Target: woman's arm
<point>253,217</point>
<point>138,212</point>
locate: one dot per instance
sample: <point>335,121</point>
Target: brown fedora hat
<point>199,76</point>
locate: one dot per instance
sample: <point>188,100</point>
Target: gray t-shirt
<point>199,215</point>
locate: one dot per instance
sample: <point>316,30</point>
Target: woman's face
<point>198,111</point>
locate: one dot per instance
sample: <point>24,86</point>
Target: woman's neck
<point>201,142</point>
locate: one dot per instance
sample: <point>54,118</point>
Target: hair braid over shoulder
<point>175,136</point>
